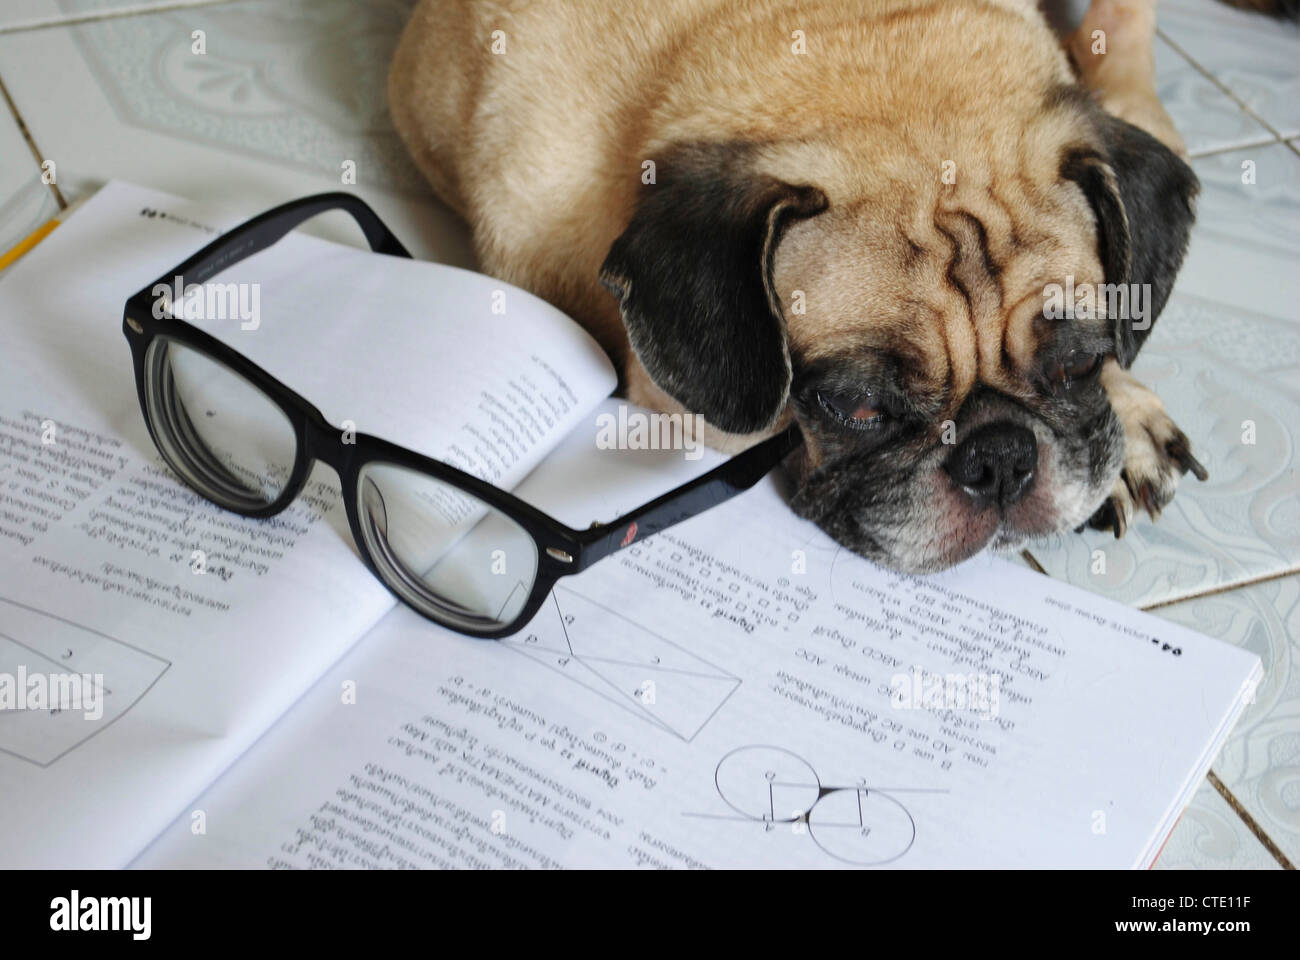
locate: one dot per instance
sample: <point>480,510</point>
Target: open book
<point>735,691</point>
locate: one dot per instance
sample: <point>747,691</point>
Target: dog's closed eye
<point>1075,366</point>
<point>859,410</point>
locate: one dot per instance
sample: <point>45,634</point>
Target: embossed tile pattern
<point>22,14</point>
<point>1206,117</point>
<point>287,100</point>
<point>1260,763</point>
<point>1210,836</point>
<point>1257,58</point>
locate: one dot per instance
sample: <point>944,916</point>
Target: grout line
<point>110,14</point>
<point>1030,559</point>
<point>1277,135</point>
<point>1251,824</point>
<point>1249,145</point>
<point>1223,588</point>
<point>31,144</point>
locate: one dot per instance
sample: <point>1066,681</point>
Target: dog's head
<point>909,304</point>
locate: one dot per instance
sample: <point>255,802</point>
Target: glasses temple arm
<point>266,229</point>
<point>691,499</point>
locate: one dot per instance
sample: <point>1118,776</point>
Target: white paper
<point>98,571</point>
<point>723,695</point>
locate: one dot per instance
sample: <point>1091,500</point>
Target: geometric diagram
<point>112,677</point>
<point>859,825</point>
<point>634,668</point>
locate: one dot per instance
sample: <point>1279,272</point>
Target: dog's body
<point>843,212</point>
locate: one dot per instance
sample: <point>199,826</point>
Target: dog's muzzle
<point>995,464</point>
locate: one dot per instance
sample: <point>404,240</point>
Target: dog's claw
<point>1120,516</point>
<point>1179,451</point>
<point>1147,499</point>
<point>1110,516</point>
<point>1148,480</point>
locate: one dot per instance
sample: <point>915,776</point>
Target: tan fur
<point>1151,474</point>
<point>1114,52</point>
<point>542,149</point>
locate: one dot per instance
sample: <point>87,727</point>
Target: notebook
<point>736,691</point>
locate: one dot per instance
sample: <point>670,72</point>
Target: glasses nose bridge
<point>326,443</point>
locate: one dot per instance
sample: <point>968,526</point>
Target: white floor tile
<point>1246,242</point>
<point>1206,117</point>
<point>287,92</point>
<point>1252,55</point>
<point>1260,763</point>
<point>1210,836</point>
<point>17,14</point>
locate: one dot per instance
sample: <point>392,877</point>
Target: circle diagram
<point>857,825</point>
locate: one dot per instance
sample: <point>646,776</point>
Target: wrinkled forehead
<point>943,292</point>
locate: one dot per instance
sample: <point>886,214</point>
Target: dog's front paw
<point>1156,455</point>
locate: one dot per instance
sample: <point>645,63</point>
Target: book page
<point>737,691</point>
<point>185,631</point>
<point>450,363</point>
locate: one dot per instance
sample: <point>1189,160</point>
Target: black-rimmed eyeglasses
<point>460,551</point>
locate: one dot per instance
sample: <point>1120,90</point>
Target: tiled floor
<point>287,92</point>
<point>1225,358</point>
<point>290,90</point>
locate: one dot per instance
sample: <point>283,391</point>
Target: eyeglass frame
<point>561,550</point>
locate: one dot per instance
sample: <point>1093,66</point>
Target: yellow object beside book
<point>36,236</point>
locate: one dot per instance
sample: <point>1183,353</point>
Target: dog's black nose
<point>995,464</point>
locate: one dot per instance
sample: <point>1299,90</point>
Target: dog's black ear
<point>693,276</point>
<point>1143,198</point>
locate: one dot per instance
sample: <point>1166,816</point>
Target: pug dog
<point>858,215</point>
